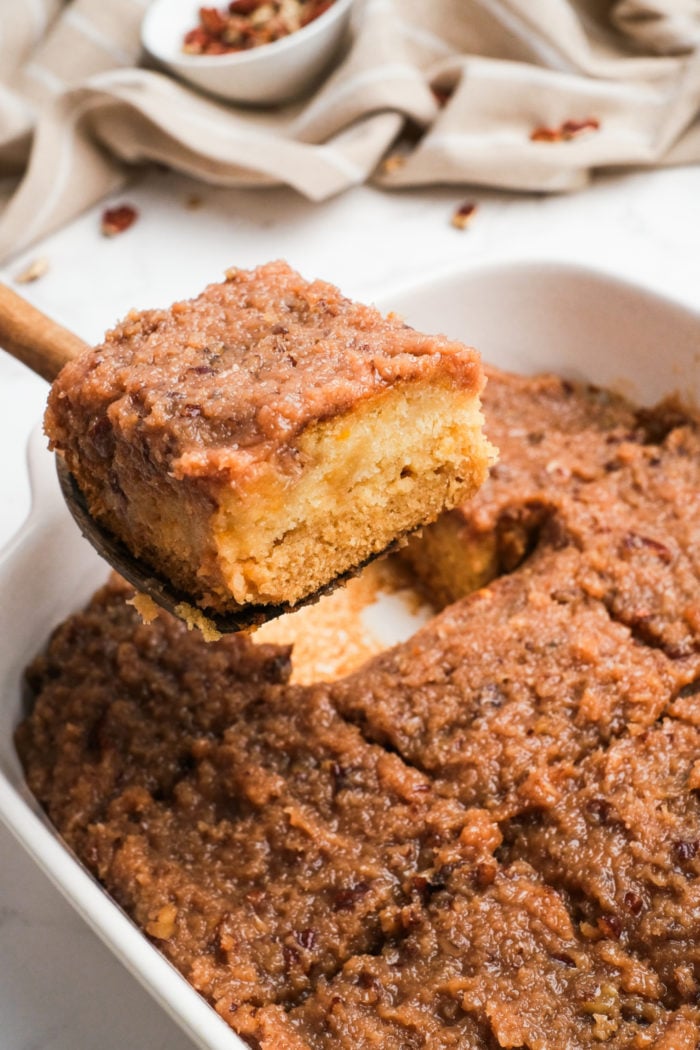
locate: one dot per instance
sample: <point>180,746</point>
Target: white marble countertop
<point>60,988</point>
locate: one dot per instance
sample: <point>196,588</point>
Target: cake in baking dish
<point>485,837</point>
<point>263,439</point>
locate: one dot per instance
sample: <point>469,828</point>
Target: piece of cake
<point>256,443</point>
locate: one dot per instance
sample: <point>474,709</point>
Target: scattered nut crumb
<point>118,219</point>
<point>193,202</point>
<point>36,269</point>
<point>544,134</point>
<point>442,95</point>
<point>145,606</point>
<point>570,129</point>
<point>393,163</point>
<point>464,215</point>
<point>196,619</point>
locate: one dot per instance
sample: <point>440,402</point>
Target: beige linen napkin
<point>76,108</point>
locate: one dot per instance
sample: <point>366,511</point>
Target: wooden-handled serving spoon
<point>33,338</point>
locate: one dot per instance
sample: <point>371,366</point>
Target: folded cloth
<point>529,95</point>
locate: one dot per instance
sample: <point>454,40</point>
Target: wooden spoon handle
<point>33,338</point>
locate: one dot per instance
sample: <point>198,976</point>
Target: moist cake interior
<point>367,480</point>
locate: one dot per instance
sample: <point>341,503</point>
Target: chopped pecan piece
<point>249,23</point>
<point>117,220</point>
<point>569,129</point>
<point>463,216</point>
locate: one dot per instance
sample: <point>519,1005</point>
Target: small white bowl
<point>265,76</point>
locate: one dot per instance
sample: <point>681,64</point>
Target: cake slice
<point>258,442</point>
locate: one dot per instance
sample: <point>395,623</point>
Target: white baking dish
<point>522,317</point>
